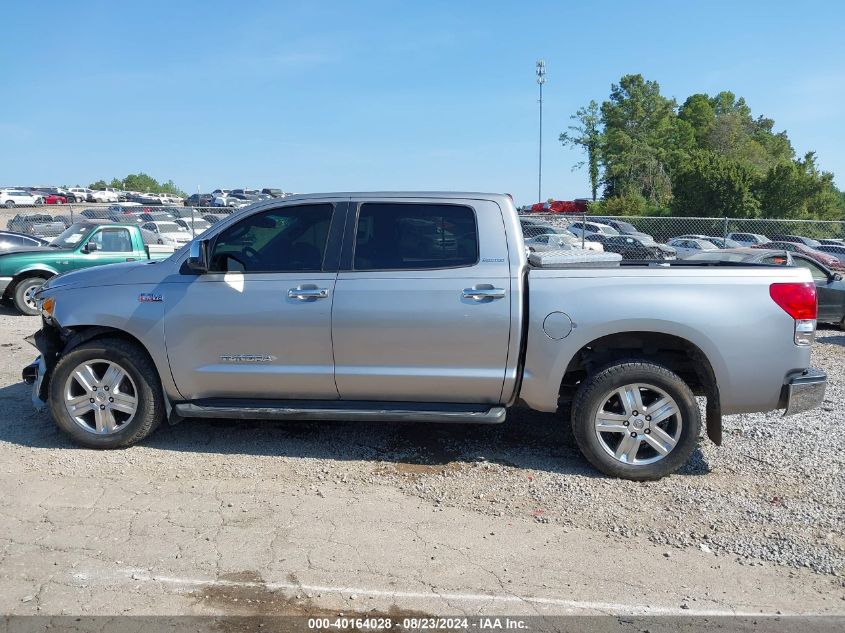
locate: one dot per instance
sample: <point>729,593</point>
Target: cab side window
<point>287,239</point>
<point>112,240</point>
<point>409,236</point>
<point>815,270</point>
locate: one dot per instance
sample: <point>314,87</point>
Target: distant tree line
<point>708,157</point>
<point>139,182</point>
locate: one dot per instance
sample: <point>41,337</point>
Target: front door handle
<point>479,294</point>
<point>304,294</point>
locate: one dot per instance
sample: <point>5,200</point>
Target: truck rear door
<point>422,307</point>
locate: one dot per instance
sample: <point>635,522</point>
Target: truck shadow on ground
<point>528,439</point>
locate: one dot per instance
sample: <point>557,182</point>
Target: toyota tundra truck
<point>421,307</point>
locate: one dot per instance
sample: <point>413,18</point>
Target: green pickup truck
<point>82,245</point>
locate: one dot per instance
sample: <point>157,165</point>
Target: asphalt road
<point>300,518</point>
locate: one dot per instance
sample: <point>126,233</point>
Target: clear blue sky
<point>318,96</point>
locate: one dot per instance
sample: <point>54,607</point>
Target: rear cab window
<point>415,236</point>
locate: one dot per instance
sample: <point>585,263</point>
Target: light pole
<point>541,79</point>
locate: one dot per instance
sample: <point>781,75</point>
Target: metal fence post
<point>725,229</point>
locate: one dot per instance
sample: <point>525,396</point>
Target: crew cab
<point>82,245</point>
<point>421,307</point>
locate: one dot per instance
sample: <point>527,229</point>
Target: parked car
<point>591,228</point>
<point>748,239</point>
<point>832,241</point>
<point>48,197</point>
<point>11,198</point>
<point>689,246</point>
<point>635,247</point>
<point>745,255</point>
<point>724,242</point>
<point>227,200</point>
<point>97,214</point>
<point>830,289</point>
<point>157,216</point>
<point>194,227</point>
<point>199,200</point>
<point>23,223</point>
<point>624,228</point>
<point>214,218</point>
<point>560,241</point>
<point>169,229</point>
<point>273,193</point>
<point>81,245</point>
<point>798,239</point>
<point>826,259</point>
<point>10,240</point>
<point>418,329</point>
<point>81,194</point>
<point>104,195</point>
<point>837,251</point>
<point>532,227</point>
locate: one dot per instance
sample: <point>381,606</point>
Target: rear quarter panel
<point>727,313</point>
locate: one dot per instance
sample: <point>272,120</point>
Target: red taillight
<point>797,299</point>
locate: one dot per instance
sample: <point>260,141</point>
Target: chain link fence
<point>48,221</point>
<point>663,229</point>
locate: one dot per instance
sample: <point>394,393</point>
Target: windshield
<point>71,236</point>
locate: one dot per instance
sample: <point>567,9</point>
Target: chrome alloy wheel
<point>29,297</point>
<point>100,397</point>
<point>638,424</point>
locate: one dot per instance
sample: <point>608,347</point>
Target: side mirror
<point>837,276</point>
<point>90,247</point>
<point>198,256</point>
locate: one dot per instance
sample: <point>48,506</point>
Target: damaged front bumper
<point>49,343</point>
<point>33,374</point>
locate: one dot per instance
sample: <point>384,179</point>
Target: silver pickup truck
<point>421,307</point>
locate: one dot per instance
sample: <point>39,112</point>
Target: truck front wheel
<point>636,420</point>
<point>106,393</point>
<point>24,295</point>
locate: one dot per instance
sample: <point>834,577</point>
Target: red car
<point>823,258</point>
<point>50,198</point>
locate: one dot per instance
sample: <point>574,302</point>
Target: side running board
<point>341,411</point>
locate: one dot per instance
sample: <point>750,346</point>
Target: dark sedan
<point>10,240</point>
<point>633,247</point>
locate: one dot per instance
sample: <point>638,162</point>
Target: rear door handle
<point>479,294</point>
<point>304,294</point>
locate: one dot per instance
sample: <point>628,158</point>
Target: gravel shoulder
<point>434,518</point>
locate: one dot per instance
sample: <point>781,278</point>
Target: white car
<point>11,198</point>
<point>104,195</point>
<point>591,228</point>
<point>224,200</point>
<point>82,194</point>
<point>559,241</point>
<point>688,246</point>
<point>749,239</point>
<point>169,230</point>
<point>169,198</point>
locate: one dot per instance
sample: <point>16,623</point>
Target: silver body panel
<point>413,335</point>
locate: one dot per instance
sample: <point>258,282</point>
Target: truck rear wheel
<point>636,420</point>
<point>106,393</point>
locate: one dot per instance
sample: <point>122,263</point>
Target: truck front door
<point>257,325</point>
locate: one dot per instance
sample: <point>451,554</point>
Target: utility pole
<point>541,79</point>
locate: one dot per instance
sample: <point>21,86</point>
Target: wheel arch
<point>77,335</point>
<point>676,353</point>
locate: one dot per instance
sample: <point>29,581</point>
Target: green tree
<point>642,140</point>
<point>798,190</point>
<point>708,184</point>
<point>98,184</point>
<point>699,112</point>
<point>586,134</point>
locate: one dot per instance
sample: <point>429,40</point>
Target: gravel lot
<point>763,514</point>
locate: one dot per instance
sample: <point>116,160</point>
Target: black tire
<point>592,394</point>
<point>140,368</point>
<point>10,204</point>
<point>22,288</point>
